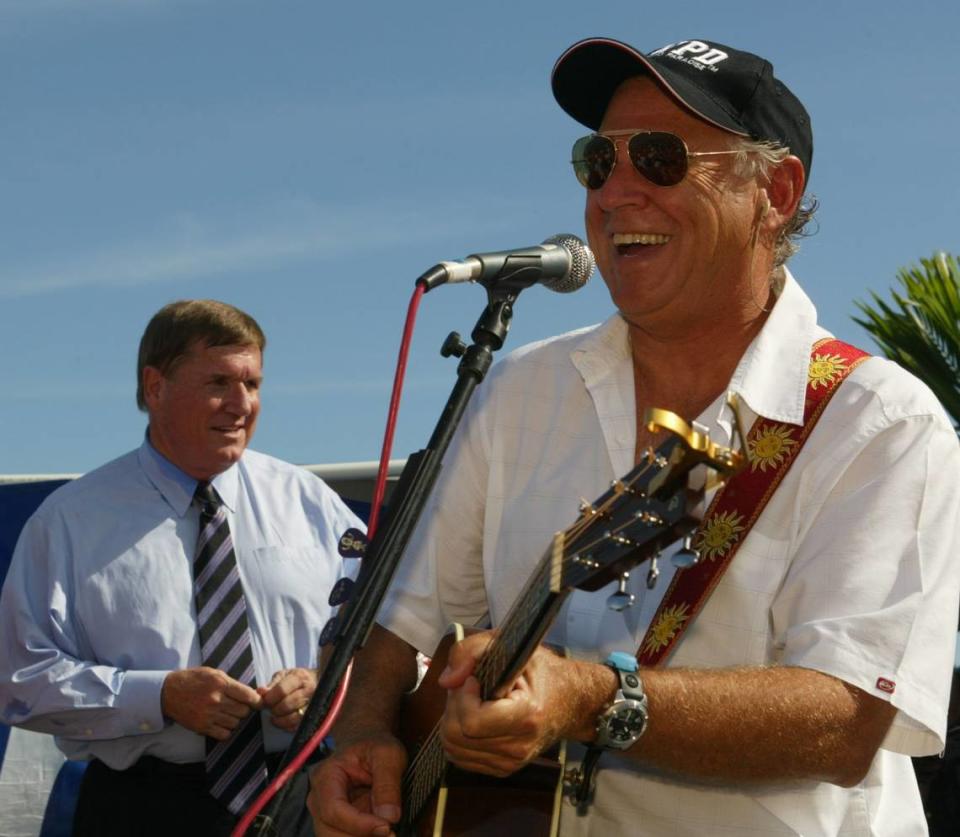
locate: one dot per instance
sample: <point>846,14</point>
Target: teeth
<point>619,239</point>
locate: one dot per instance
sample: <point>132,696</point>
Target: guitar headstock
<point>647,509</point>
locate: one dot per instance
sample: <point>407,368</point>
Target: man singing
<point>819,661</point>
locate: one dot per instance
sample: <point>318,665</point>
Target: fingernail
<point>446,671</point>
<point>391,813</point>
<point>383,831</point>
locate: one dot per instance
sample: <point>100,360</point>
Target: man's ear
<point>784,192</point>
<point>153,381</point>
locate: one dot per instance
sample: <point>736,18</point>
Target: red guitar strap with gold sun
<point>772,447</point>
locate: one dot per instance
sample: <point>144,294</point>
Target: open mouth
<point>632,243</point>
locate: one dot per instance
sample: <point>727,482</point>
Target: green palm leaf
<point>920,329</point>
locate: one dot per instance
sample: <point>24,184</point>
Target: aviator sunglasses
<point>660,157</point>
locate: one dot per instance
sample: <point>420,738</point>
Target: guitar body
<point>472,804</point>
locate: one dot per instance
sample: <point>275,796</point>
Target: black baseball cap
<point>732,89</point>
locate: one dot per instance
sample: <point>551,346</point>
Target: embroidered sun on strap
<point>772,447</point>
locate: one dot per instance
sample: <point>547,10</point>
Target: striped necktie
<point>236,768</point>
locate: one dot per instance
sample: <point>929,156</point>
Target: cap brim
<point>587,75</point>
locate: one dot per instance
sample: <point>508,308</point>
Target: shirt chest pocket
<point>288,582</point>
<point>734,626</point>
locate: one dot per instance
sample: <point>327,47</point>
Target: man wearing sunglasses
<point>820,661</point>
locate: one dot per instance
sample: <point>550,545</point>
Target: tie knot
<point>206,498</point>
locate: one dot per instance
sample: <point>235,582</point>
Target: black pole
<point>348,630</point>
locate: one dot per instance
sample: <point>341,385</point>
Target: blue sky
<point>307,161</point>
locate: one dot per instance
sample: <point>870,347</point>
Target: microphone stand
<point>348,630</point>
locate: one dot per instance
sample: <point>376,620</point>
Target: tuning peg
<point>647,517</point>
<point>654,572</point>
<point>686,556</point>
<point>621,600</point>
<point>618,539</point>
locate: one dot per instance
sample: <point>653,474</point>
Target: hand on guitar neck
<point>554,697</point>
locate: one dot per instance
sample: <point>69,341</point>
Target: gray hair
<point>755,159</point>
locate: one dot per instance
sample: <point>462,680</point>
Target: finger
<point>330,806</point>
<point>288,722</point>
<point>290,703</point>
<point>463,659</point>
<point>485,763</point>
<point>285,686</point>
<point>463,701</point>
<point>219,731</point>
<point>387,763</point>
<point>234,709</point>
<point>479,724</point>
<point>241,693</point>
<point>504,750</point>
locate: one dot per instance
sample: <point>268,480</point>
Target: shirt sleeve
<point>46,684</point>
<point>871,596</point>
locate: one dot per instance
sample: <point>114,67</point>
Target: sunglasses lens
<point>660,157</point>
<point>593,159</point>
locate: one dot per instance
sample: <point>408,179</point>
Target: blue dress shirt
<point>98,607</point>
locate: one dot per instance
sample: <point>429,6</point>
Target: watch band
<point>619,726</point>
<point>622,723</point>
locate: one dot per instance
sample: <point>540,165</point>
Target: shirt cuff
<point>139,701</point>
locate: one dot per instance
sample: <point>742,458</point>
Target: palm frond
<point>920,329</point>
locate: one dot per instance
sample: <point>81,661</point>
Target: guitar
<point>649,508</point>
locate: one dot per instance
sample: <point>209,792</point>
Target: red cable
<point>284,775</point>
<point>379,489</point>
<point>381,483</point>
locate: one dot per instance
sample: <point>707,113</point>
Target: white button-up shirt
<point>850,570</point>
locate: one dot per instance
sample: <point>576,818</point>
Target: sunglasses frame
<point>630,134</point>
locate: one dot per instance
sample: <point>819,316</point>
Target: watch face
<point>627,722</point>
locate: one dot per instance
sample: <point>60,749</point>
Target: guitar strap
<point>772,447</point>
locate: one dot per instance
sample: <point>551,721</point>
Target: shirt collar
<point>771,377</point>
<point>178,488</point>
<point>602,349</point>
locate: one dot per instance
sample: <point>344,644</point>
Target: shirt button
<point>88,732</point>
<point>144,726</point>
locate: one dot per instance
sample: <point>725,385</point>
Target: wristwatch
<point>622,723</point>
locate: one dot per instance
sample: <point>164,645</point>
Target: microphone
<point>563,263</point>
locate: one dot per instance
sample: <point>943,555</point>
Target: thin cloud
<point>366,384</point>
<point>38,8</point>
<point>192,248</point>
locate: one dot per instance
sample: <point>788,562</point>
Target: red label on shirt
<point>885,685</point>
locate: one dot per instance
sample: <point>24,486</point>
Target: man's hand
<point>553,698</point>
<point>287,695</point>
<point>357,790</point>
<point>207,701</point>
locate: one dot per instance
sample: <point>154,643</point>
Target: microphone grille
<point>581,264</point>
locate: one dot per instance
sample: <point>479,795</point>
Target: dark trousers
<point>155,797</point>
